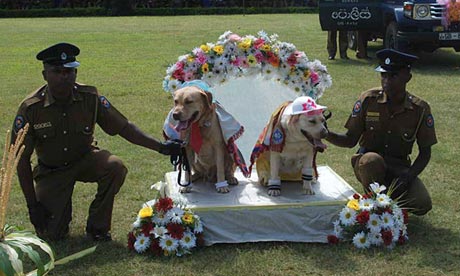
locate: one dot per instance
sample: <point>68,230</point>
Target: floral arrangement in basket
<point>233,56</point>
<point>452,12</point>
<point>164,227</point>
<point>372,219</point>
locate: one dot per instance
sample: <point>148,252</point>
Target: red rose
<point>401,240</point>
<point>292,60</point>
<point>176,231</point>
<point>146,228</point>
<point>131,240</point>
<point>387,237</point>
<point>164,204</point>
<point>363,217</point>
<point>155,248</point>
<point>258,43</point>
<point>406,216</point>
<point>332,239</point>
<point>356,196</point>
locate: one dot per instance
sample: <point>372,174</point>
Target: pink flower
<point>188,76</point>
<point>292,60</point>
<point>259,56</point>
<point>178,74</point>
<point>179,65</point>
<point>234,37</point>
<point>258,43</point>
<point>201,58</point>
<point>314,77</point>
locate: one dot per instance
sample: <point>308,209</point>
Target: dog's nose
<point>176,116</point>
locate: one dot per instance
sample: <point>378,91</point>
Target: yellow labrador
<point>206,148</point>
<point>300,128</point>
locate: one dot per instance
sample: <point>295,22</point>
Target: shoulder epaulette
<point>86,88</point>
<point>35,97</point>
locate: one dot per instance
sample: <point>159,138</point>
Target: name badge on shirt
<point>42,125</point>
<point>372,116</point>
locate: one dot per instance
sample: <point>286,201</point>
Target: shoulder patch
<point>18,123</point>
<point>357,108</point>
<point>429,121</point>
<point>277,137</point>
<point>105,103</point>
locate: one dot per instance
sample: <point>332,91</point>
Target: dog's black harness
<point>180,162</point>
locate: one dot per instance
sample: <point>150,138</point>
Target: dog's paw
<point>232,180</point>
<point>263,179</point>
<point>223,190</point>
<point>185,190</point>
<point>274,192</point>
<point>307,189</point>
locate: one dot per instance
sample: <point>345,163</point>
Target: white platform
<point>248,214</point>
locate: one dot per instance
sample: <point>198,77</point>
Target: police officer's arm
<point>422,160</point>
<point>24,169</point>
<point>346,140</point>
<point>133,134</point>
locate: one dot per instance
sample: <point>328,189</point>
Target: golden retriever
<point>301,127</point>
<point>194,110</point>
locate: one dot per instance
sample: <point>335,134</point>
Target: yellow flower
<point>353,204</point>
<point>190,58</point>
<point>306,74</point>
<point>252,61</point>
<point>205,68</point>
<point>205,48</point>
<point>245,44</point>
<point>188,218</point>
<point>146,212</point>
<point>218,49</point>
<point>265,48</point>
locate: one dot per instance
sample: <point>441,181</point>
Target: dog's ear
<point>294,119</point>
<point>207,98</point>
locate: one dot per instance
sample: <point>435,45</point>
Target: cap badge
<point>63,56</point>
<point>387,61</point>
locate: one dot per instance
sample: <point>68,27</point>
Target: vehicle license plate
<point>449,36</point>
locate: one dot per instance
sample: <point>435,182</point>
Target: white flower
<point>395,232</point>
<point>137,223</point>
<point>198,225</point>
<point>268,71</point>
<point>383,200</point>
<point>375,238</point>
<point>160,219</point>
<point>377,188</point>
<point>169,244</point>
<point>387,220</point>
<point>159,231</point>
<point>173,85</point>
<point>337,229</point>
<point>188,240</point>
<point>142,243</point>
<point>175,215</point>
<point>374,224</point>
<point>347,216</point>
<point>360,240</point>
<point>366,204</point>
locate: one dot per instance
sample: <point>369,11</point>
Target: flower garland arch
<point>233,56</point>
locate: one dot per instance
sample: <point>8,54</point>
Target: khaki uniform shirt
<point>391,135</point>
<point>62,133</point>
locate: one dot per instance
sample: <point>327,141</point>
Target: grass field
<point>126,59</point>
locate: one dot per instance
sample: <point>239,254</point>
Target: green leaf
<point>33,255</point>
<point>5,264</point>
<point>15,262</point>
<point>32,239</point>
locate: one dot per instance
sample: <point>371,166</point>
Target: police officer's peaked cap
<point>61,54</point>
<point>392,61</point>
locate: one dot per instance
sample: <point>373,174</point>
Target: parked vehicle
<point>403,25</point>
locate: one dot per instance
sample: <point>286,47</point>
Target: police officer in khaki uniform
<point>387,121</point>
<point>62,115</point>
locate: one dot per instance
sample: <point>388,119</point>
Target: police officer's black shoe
<point>331,57</point>
<point>105,237</point>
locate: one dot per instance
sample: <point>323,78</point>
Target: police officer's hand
<point>171,147</point>
<point>38,216</point>
<point>402,184</point>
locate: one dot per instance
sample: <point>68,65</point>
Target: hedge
<point>80,12</point>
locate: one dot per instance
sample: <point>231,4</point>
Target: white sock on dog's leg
<point>222,184</point>
<point>307,174</point>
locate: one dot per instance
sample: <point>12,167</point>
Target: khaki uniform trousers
<point>54,188</point>
<point>371,167</point>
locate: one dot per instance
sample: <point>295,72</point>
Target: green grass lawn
<point>126,59</point>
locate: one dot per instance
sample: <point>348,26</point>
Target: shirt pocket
<point>46,134</point>
<point>84,128</point>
